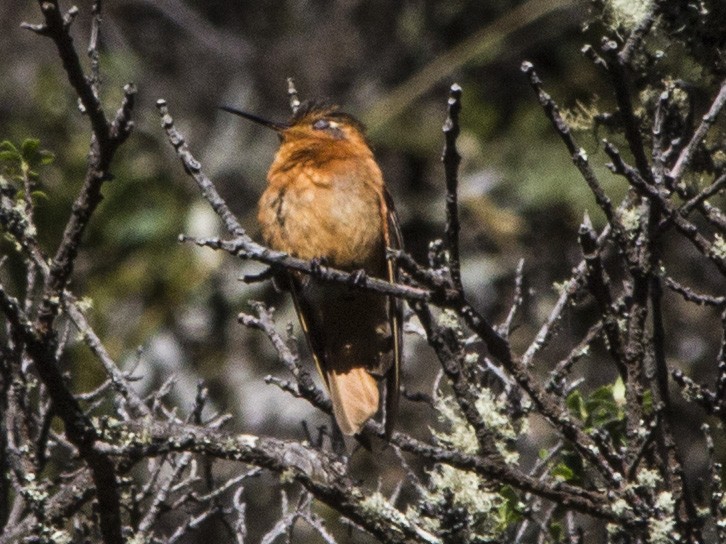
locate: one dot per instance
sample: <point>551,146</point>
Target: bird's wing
<point>393,240</point>
<point>313,334</point>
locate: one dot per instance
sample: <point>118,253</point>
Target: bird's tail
<point>355,398</point>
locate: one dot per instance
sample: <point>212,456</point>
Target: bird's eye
<point>321,124</point>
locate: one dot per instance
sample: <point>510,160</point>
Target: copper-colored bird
<point>326,199</point>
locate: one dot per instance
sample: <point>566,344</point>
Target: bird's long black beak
<point>277,127</point>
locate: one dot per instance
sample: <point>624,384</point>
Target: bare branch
<point>451,160</point>
<point>194,169</point>
<point>578,154</point>
<point>684,159</point>
<point>322,474</point>
<point>685,227</point>
<point>517,301</point>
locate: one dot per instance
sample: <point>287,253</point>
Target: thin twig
<point>321,473</point>
<point>621,86</point>
<point>517,299</point>
<point>684,159</point>
<point>451,160</point>
<point>599,286</point>
<point>691,296</point>
<point>93,45</point>
<point>577,153</point>
<point>685,227</point>
<point>194,169</point>
<point>717,186</point>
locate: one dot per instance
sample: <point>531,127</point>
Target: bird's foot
<point>317,264</point>
<point>358,278</point>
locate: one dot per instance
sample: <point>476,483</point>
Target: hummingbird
<point>326,201</point>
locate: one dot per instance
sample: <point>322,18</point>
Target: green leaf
<point>39,195</point>
<point>604,393</point>
<point>46,157</point>
<point>510,510</point>
<point>563,472</point>
<point>557,531</point>
<point>9,156</point>
<point>576,404</point>
<point>6,145</point>
<point>648,401</point>
<point>619,391</point>
<point>32,155</point>
<point>29,149</point>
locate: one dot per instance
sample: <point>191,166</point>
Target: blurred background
<point>170,308</point>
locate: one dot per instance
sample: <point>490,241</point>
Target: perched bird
<point>326,200</point>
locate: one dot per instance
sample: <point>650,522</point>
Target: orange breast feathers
<point>326,206</point>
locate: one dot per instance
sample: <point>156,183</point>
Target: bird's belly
<point>325,222</point>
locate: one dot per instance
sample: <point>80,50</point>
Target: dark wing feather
<point>393,240</point>
<point>312,334</point>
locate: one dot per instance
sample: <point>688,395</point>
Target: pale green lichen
<point>84,304</point>
<point>626,14</point>
<point>229,444</point>
<point>630,220</point>
<point>648,478</point>
<point>482,502</point>
<point>469,490</point>
<point>620,507</point>
<point>471,493</point>
<point>247,441</point>
<point>471,358</point>
<point>377,504</point>
<point>461,436</point>
<point>22,219</point>
<point>60,537</point>
<point>665,502</point>
<point>718,249</point>
<point>581,117</point>
<point>287,476</point>
<point>614,531</point>
<point>661,529</point>
<point>622,324</point>
<point>137,539</point>
<point>560,287</point>
<point>34,491</point>
<point>449,320</point>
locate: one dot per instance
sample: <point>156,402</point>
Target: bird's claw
<point>358,278</point>
<point>316,266</point>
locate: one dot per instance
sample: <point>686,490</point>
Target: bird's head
<point>315,126</point>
